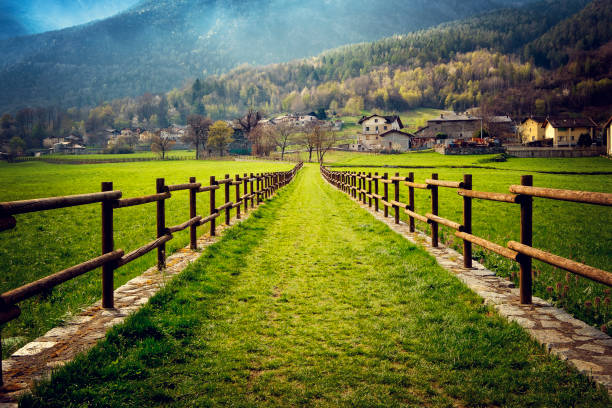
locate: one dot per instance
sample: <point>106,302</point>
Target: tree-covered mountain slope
<point>157,45</point>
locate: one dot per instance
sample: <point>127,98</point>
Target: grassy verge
<point>49,241</point>
<point>312,302</point>
<point>567,229</point>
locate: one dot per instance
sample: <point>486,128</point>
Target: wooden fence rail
<point>521,252</point>
<point>111,259</point>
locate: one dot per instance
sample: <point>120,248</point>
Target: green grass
<point>139,155</point>
<point>571,230</point>
<point>436,160</point>
<point>49,241</point>
<point>312,302</point>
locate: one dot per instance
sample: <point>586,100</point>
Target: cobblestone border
<point>37,359</point>
<point>587,349</point>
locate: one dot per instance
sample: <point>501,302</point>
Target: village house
<point>567,131</point>
<point>381,132</point>
<point>532,129</point>
<point>607,136</point>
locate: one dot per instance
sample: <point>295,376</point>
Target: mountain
<point>157,45</point>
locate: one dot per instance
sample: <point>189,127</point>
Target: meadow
<point>576,231</point>
<point>313,302</point>
<point>135,155</point>
<point>46,242</point>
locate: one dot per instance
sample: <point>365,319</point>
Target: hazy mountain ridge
<point>156,45</point>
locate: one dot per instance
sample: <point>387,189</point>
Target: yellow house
<point>531,129</point>
<point>566,132</point>
<point>607,134</point>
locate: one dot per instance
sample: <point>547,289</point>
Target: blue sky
<point>19,17</point>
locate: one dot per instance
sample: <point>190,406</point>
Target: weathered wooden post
<point>411,200</point>
<point>364,197</point>
<point>228,213</point>
<point>193,236</point>
<point>238,203</point>
<point>370,189</point>
<point>376,192</point>
<point>108,244</point>
<point>258,184</point>
<point>161,224</point>
<point>434,211</point>
<point>252,193</point>
<point>396,196</point>
<point>386,194</point>
<point>467,221</point>
<point>526,239</point>
<point>213,206</point>
<point>245,182</point>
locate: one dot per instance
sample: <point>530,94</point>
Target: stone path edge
<point>582,346</point>
<point>37,359</point>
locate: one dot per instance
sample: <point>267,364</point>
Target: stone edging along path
<point>582,346</point>
<point>60,345</point>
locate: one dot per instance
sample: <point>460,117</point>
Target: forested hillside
<point>511,61</point>
<point>157,45</point>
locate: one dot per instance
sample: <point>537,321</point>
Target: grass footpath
<point>312,302</point>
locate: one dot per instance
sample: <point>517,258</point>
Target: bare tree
<point>282,135</point>
<point>324,139</point>
<point>262,139</point>
<point>161,143</point>
<point>306,139</point>
<point>197,133</point>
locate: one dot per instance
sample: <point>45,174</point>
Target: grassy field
<point>171,153</point>
<point>567,229</point>
<point>312,302</point>
<point>46,242</point>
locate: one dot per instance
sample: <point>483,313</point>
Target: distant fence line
<point>68,160</point>
<point>256,187</point>
<point>365,189</point>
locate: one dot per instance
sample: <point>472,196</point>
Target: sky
<point>20,17</point>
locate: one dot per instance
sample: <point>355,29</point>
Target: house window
<point>375,120</point>
<point>385,127</point>
<point>562,129</point>
<point>376,127</point>
<point>367,128</point>
<point>572,137</point>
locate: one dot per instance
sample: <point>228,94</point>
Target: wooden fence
<point>365,188</point>
<point>255,187</point>
<point>69,159</point>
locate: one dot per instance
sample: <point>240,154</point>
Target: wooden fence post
<point>193,236</point>
<point>161,224</point>
<point>396,196</point>
<point>467,221</point>
<point>370,189</point>
<point>252,194</point>
<point>376,192</point>
<point>364,197</point>
<point>411,200</point>
<point>228,213</point>
<point>108,301</point>
<point>434,211</point>
<point>386,194</point>
<point>526,239</point>
<point>245,182</point>
<point>238,203</point>
<point>258,184</point>
<point>213,207</point>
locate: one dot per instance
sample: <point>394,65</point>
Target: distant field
<point>46,242</point>
<point>572,230</point>
<point>171,153</point>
